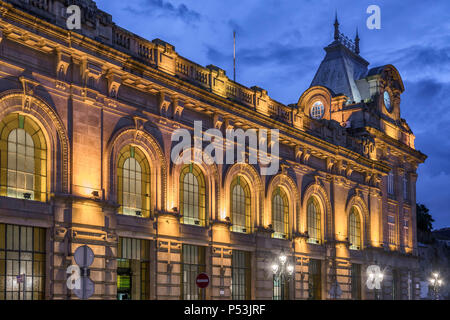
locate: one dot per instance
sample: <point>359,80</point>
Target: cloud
<point>419,62</point>
<point>161,8</point>
<point>279,68</point>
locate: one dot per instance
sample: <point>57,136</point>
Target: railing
<point>183,68</point>
<point>192,71</point>
<point>280,112</point>
<point>240,93</point>
<point>40,4</point>
<point>347,42</point>
<point>145,51</point>
<point>201,76</point>
<point>122,38</point>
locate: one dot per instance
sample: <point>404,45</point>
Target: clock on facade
<point>387,101</point>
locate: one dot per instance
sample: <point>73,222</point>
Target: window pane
<point>21,164</point>
<point>21,255</point>
<point>131,187</point>
<point>193,263</point>
<point>240,281</point>
<point>280,214</point>
<point>313,222</point>
<point>192,196</point>
<point>354,230</point>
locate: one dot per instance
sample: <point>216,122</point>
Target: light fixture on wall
<point>27,195</point>
<point>436,283</point>
<point>95,193</point>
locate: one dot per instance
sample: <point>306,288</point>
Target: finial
<point>336,27</point>
<point>357,42</point>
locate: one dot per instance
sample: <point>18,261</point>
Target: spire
<point>336,27</point>
<point>357,42</point>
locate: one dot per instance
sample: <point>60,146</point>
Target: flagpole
<point>234,56</point>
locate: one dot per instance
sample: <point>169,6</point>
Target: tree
<point>424,223</point>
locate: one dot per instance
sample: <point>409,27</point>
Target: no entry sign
<point>202,280</point>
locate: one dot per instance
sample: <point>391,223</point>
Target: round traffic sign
<point>84,256</point>
<point>86,289</point>
<point>202,280</point>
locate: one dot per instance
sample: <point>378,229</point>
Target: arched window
<point>192,195</point>
<point>23,159</point>
<point>314,221</point>
<point>240,205</point>
<point>133,173</point>
<point>280,214</point>
<point>354,229</point>
<point>317,110</point>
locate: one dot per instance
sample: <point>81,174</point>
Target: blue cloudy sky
<point>280,45</point>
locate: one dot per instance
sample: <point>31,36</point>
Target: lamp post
<point>436,282</point>
<point>281,271</point>
<point>375,279</point>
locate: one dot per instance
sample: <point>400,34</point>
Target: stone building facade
<point>86,121</point>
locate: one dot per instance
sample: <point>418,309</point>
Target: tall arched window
<point>280,214</point>
<point>133,172</point>
<point>240,205</point>
<point>192,195</point>
<point>23,159</point>
<point>314,221</point>
<point>354,229</point>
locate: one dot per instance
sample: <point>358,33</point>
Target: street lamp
<point>281,271</point>
<point>375,279</point>
<point>436,282</point>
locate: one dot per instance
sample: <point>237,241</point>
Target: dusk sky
<point>280,46</point>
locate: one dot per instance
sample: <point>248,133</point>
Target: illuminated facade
<point>86,119</point>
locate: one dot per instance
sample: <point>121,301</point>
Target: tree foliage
<point>424,223</point>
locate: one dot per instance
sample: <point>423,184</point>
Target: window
<point>395,292</point>
<point>133,269</point>
<point>240,205</point>
<point>313,221</point>
<point>387,100</point>
<point>23,159</point>
<point>241,275</point>
<point>391,229</point>
<point>193,263</point>
<point>22,251</point>
<point>280,214</point>
<point>410,286</point>
<point>406,230</point>
<point>354,229</point>
<point>391,183</point>
<point>405,187</point>
<point>192,195</point>
<point>317,110</point>
<point>356,281</point>
<point>314,279</point>
<point>133,182</point>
